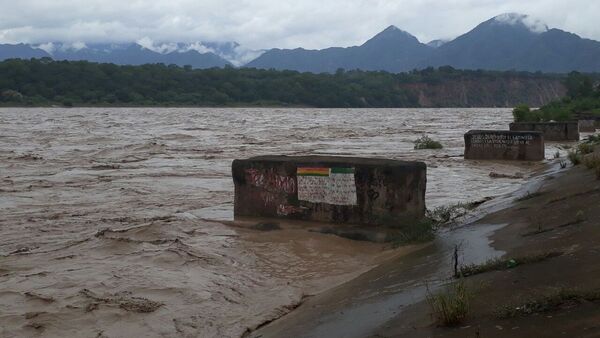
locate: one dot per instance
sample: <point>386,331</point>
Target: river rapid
<point>114,221</point>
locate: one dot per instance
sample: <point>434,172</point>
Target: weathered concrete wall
<point>553,131</point>
<point>588,121</point>
<point>588,126</point>
<point>504,145</point>
<point>330,189</point>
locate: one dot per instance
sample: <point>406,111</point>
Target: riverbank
<point>538,299</point>
<point>561,219</point>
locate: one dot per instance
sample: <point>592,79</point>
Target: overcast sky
<point>272,23</point>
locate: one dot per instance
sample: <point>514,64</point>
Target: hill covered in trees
<point>44,82</point>
<point>581,100</point>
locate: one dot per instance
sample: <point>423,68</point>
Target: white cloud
<point>259,24</point>
<point>534,24</point>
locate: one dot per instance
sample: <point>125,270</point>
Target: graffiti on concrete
<point>334,186</point>
<point>500,140</point>
<point>269,180</point>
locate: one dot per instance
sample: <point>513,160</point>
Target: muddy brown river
<point>114,221</point>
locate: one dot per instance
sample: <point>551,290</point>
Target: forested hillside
<point>40,82</point>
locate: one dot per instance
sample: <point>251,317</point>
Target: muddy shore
<point>563,216</point>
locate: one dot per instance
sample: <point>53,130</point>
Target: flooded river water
<point>111,219</point>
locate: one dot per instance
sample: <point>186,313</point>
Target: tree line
<point>582,98</point>
<point>43,82</point>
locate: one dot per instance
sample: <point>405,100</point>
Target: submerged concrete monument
<point>330,189</point>
<point>553,131</point>
<point>504,145</point>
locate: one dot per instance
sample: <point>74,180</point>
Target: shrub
<point>521,113</point>
<point>425,142</point>
<point>585,148</point>
<point>574,157</point>
<point>591,161</point>
<point>451,306</point>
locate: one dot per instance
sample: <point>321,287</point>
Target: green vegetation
<point>425,142</point>
<point>550,302</point>
<point>497,264</point>
<point>451,306</point>
<point>44,82</point>
<point>574,157</point>
<point>583,153</point>
<point>522,113</point>
<point>582,98</point>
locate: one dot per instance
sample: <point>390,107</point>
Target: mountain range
<point>506,42</point>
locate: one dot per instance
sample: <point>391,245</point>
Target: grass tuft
<point>451,306</point>
<point>574,157</point>
<point>549,302</point>
<point>563,164</point>
<point>497,264</point>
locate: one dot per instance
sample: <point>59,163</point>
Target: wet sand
<point>111,220</point>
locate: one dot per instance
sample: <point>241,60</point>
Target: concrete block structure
<point>553,131</point>
<point>332,189</point>
<point>504,145</point>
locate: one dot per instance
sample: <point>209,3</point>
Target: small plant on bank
<point>497,264</point>
<point>563,164</point>
<point>550,302</point>
<point>574,157</point>
<point>451,306</point>
<point>585,148</point>
<point>425,142</point>
<point>557,154</point>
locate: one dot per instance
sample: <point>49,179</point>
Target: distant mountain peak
<point>517,19</point>
<point>392,34</point>
<point>437,43</point>
<point>395,31</point>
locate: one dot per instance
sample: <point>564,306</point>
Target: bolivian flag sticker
<point>327,185</point>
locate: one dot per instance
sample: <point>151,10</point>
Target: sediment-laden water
<point>104,212</point>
